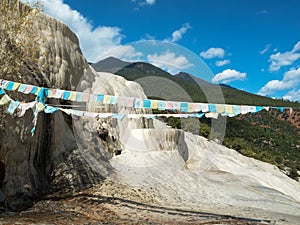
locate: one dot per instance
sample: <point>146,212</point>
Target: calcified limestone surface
<point>188,171</point>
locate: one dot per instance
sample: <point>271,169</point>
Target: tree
<point>293,173</point>
<point>20,41</point>
<point>19,38</point>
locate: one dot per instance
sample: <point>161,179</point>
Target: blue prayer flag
<point>100,98</point>
<point>147,103</point>
<point>66,95</point>
<point>161,105</point>
<point>237,109</point>
<point>113,100</point>
<point>10,85</point>
<point>34,90</point>
<point>79,97</point>
<point>42,95</point>
<point>259,108</point>
<point>183,106</point>
<point>50,109</point>
<point>2,92</point>
<point>212,108</point>
<point>12,107</point>
<point>118,116</point>
<point>22,88</point>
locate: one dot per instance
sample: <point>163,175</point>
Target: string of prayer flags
<point>43,93</point>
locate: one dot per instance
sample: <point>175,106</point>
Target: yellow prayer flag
<point>15,86</point>
<point>39,106</point>
<point>220,108</point>
<point>5,100</point>
<point>72,96</point>
<point>190,107</point>
<point>106,99</point>
<point>154,104</point>
<point>229,109</point>
<point>37,90</point>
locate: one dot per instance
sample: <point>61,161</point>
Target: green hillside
<point>196,87</point>
<point>272,136</point>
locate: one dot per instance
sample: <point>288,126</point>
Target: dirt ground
<point>93,208</point>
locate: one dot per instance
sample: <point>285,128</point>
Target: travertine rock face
<point>51,159</point>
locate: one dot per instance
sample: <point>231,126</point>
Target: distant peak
<point>110,64</point>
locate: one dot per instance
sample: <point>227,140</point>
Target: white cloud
<point>169,61</point>
<point>124,52</point>
<point>284,59</point>
<point>177,34</point>
<point>222,62</point>
<point>150,2</point>
<point>213,53</point>
<point>228,76</point>
<point>290,80</point>
<point>94,42</point>
<point>263,11</point>
<point>142,3</point>
<point>267,48</point>
<point>293,95</point>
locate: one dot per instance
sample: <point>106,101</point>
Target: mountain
<point>110,65</point>
<point>272,136</point>
<point>157,83</point>
<point>191,78</point>
<point>195,88</point>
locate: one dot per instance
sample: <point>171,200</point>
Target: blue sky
<point>253,45</point>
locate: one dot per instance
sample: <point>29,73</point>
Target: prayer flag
<point>106,99</point>
<point>12,107</point>
<point>204,107</point>
<point>212,108</point>
<point>183,106</point>
<point>161,105</point>
<point>9,85</point>
<point>113,100</point>
<point>79,97</point>
<point>2,92</point>
<point>66,95</point>
<point>100,98</point>
<point>154,104</point>
<point>5,99</point>
<point>229,109</point>
<point>22,88</point>
<point>138,103</point>
<point>86,97</point>
<point>93,98</point>
<point>50,109</point>
<point>15,86</point>
<point>146,103</point>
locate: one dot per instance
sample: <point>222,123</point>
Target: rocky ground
<point>99,206</point>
